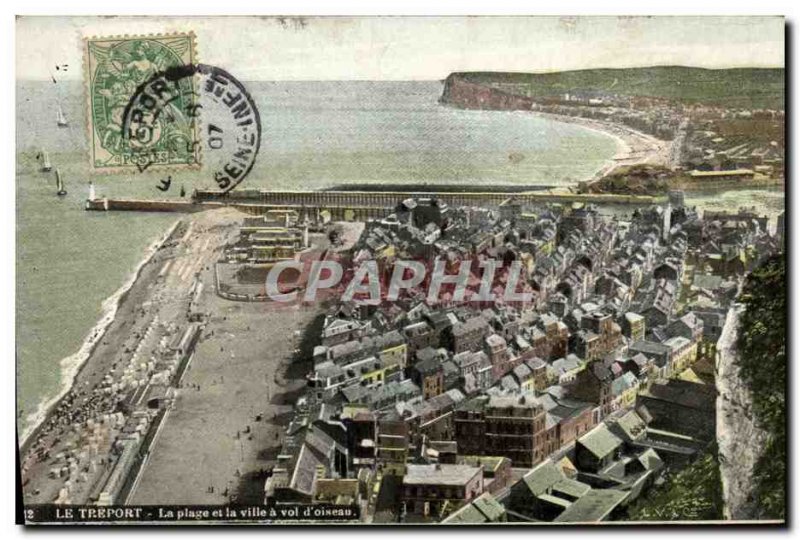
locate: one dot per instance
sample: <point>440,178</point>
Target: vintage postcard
<point>401,270</point>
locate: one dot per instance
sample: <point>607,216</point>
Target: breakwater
<point>145,205</point>
<point>389,199</point>
<point>353,205</point>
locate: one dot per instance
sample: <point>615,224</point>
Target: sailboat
<point>46,166</point>
<point>60,118</point>
<point>60,185</point>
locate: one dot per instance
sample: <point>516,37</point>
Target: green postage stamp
<point>115,68</point>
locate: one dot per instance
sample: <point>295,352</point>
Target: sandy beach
<point>147,312</point>
<point>71,365</point>
<point>633,147</point>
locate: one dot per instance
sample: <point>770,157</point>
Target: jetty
<point>351,205</point>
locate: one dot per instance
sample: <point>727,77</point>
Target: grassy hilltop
<point>734,88</point>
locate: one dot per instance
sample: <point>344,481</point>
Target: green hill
<point>741,87</point>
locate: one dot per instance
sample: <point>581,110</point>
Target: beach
<point>71,365</point>
<point>79,429</point>
<point>633,147</point>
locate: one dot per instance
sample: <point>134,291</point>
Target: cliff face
<point>740,440</point>
<point>746,88</point>
<point>463,94</point>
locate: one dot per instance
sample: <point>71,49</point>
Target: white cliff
<point>739,438</point>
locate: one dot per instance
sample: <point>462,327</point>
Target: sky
<point>415,48</point>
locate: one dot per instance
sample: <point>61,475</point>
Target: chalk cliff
<point>739,439</point>
<point>461,93</point>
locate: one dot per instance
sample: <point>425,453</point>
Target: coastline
<point>71,365</point>
<point>83,424</point>
<point>633,147</point>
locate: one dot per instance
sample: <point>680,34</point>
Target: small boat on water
<point>61,120</point>
<point>61,190</point>
<point>46,166</point>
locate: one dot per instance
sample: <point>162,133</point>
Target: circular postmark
<point>199,114</point>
